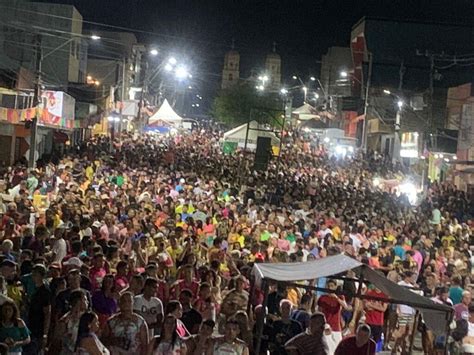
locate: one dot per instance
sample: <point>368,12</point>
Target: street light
<point>95,37</point>
<point>344,74</point>
<point>283,91</point>
<point>312,78</point>
<point>172,61</point>
<point>316,95</point>
<point>181,72</point>
<point>294,77</point>
<point>168,67</point>
<point>154,52</point>
<point>387,92</point>
<point>305,90</point>
<point>400,104</point>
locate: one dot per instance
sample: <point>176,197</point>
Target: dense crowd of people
<point>148,249</point>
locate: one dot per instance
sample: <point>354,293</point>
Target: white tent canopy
<point>306,113</point>
<point>165,114</point>
<point>436,316</point>
<point>255,130</point>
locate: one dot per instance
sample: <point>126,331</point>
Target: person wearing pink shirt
<point>97,271</point>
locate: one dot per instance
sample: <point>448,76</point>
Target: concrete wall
<point>61,48</point>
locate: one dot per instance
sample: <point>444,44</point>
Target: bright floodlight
<point>387,92</point>
<point>260,77</point>
<point>312,78</point>
<point>305,88</point>
<point>376,182</point>
<point>409,190</point>
<point>154,52</point>
<point>283,91</point>
<point>316,95</point>
<point>181,72</point>
<point>197,105</point>
<point>343,74</point>
<point>295,77</point>
<point>95,37</point>
<point>400,103</point>
<point>455,158</point>
<point>265,78</point>
<point>172,61</point>
<point>168,67</point>
<point>260,87</point>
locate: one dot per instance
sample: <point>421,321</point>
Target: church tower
<point>273,69</point>
<point>231,71</point>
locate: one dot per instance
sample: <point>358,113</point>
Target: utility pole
<point>122,96</point>
<point>36,101</point>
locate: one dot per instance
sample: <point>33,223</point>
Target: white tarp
<point>239,133</point>
<point>435,315</point>
<point>165,114</point>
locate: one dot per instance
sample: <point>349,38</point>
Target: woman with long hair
<point>175,309</point>
<point>87,341</point>
<point>169,342</point>
<point>13,331</point>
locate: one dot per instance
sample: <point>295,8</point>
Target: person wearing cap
<point>39,315</point>
<point>7,246</point>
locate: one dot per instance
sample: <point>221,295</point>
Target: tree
<point>241,103</point>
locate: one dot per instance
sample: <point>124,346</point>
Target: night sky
<point>202,30</point>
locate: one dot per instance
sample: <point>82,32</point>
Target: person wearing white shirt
<point>149,306</point>
<point>406,314</point>
<point>59,249</point>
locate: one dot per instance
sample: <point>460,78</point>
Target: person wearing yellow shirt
<point>90,173</point>
<point>336,232</point>
<point>174,251</point>
<point>236,238</point>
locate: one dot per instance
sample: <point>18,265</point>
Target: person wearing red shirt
<point>374,313</point>
<point>358,344</point>
<point>331,305</point>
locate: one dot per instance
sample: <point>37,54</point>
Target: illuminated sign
<point>409,145</point>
